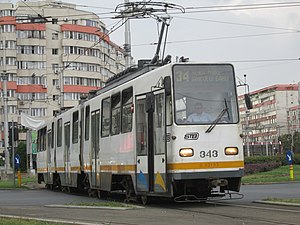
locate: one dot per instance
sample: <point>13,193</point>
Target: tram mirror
<point>167,85</point>
<point>150,102</point>
<point>248,101</point>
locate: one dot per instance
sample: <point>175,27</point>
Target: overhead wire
<point>234,23</point>
<point>217,38</point>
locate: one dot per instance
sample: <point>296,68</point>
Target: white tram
<point>134,136</point>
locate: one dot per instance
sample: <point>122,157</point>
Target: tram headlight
<point>231,151</point>
<point>186,152</point>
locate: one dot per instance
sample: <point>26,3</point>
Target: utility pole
<point>127,45</point>
<point>61,84</point>
<point>29,137</point>
<point>13,151</point>
<point>5,99</point>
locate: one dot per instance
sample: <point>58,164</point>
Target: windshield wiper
<point>214,123</point>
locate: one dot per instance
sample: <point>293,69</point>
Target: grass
<point>281,174</point>
<point>283,200</point>
<point>13,221</point>
<point>6,184</point>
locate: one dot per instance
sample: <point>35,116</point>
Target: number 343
<point>209,154</point>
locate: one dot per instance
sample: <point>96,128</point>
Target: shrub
<point>260,167</point>
<point>257,164</point>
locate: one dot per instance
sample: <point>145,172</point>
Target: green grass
<point>281,174</point>
<point>284,200</point>
<point>9,221</point>
<point>10,184</point>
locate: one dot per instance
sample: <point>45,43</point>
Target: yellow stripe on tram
<point>205,165</point>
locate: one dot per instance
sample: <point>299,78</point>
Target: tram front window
<point>203,93</point>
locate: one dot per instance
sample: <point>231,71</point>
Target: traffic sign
<point>17,161</point>
<point>289,157</point>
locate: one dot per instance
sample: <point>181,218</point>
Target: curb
<point>94,207</point>
<point>277,203</point>
<point>47,220</point>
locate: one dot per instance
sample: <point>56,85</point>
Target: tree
<point>286,142</point>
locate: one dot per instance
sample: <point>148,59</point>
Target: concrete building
<point>52,54</point>
<point>269,117</point>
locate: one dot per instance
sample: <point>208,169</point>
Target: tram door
<point>67,152</point>
<point>151,147</point>
<point>95,132</point>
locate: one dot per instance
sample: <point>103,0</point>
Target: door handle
<point>139,161</point>
<point>162,160</point>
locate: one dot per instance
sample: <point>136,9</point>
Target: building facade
<point>269,117</point>
<point>52,54</point>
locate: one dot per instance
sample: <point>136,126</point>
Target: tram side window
<point>115,114</point>
<point>75,124</point>
<point>59,133</point>
<point>126,110</point>
<point>87,123</point>
<point>49,138</point>
<point>105,122</point>
<point>52,135</point>
<point>41,140</point>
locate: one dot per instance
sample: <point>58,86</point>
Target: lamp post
<point>13,151</point>
<point>5,100</point>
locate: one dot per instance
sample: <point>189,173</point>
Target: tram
<point>134,136</point>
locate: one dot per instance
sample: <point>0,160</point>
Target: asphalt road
<point>32,203</point>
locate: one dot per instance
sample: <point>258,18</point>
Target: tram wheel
<point>98,194</point>
<point>144,199</point>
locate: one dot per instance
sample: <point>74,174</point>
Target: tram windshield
<point>205,94</point>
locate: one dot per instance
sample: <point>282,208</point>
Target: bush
<point>261,167</point>
<point>266,163</point>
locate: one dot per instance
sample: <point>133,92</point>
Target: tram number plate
<point>209,154</point>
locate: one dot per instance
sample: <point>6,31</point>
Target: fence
<point>265,149</point>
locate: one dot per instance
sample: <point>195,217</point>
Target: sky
<point>262,43</point>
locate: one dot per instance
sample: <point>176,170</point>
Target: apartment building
<point>52,54</point>
<point>269,118</point>
<point>294,119</point>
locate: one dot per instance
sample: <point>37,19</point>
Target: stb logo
<point>191,136</point>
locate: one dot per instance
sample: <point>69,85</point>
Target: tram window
<point>87,123</point>
<point>126,110</point>
<point>49,136</point>
<point>115,114</point>
<point>67,134</point>
<point>52,136</point>
<point>105,122</point>
<point>75,124</point>
<point>169,110</point>
<point>59,133</point>
<point>41,142</point>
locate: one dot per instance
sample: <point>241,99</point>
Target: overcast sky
<point>263,43</point>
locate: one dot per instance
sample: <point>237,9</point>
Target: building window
<point>54,36</point>
<point>54,21</point>
<point>54,51</point>
<point>7,28</point>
